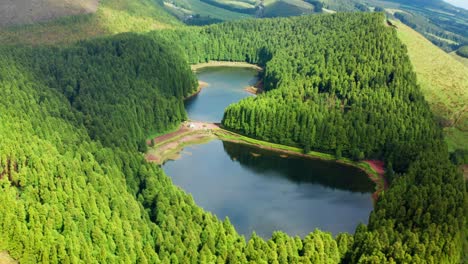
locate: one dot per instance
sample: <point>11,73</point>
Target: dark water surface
<point>268,192</point>
<point>258,189</point>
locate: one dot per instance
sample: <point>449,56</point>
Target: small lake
<point>225,86</point>
<point>261,190</point>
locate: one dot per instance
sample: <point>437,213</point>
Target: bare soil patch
<point>256,88</point>
<point>201,85</point>
<point>5,258</point>
<point>182,129</point>
<point>168,146</point>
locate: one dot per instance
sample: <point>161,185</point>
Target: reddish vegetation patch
<point>151,157</point>
<point>379,167</point>
<point>7,170</point>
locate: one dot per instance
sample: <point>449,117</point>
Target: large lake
<point>260,190</point>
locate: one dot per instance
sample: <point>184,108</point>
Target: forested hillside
<point>76,187</point>
<point>339,99</point>
<point>322,96</point>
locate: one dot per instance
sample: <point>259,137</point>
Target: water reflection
<point>299,170</point>
<point>266,192</point>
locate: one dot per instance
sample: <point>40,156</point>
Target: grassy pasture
<point>197,7</point>
<point>444,82</point>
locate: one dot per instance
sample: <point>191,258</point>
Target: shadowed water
<point>260,191</point>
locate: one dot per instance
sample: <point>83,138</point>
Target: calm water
<point>226,86</point>
<point>257,189</point>
<point>267,192</point>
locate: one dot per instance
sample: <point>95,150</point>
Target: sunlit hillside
<point>444,81</point>
<point>15,12</point>
<point>111,17</point>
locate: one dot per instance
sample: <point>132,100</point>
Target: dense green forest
<point>75,186</point>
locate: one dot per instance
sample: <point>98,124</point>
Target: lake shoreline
<point>237,64</point>
<point>257,88</point>
<point>168,146</point>
<point>201,85</point>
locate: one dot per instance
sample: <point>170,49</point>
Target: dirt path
<point>169,145</point>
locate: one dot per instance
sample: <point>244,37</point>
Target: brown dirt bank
<point>256,88</point>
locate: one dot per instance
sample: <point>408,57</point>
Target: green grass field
<point>283,8</point>
<point>273,8</point>
<point>237,4</point>
<point>444,82</point>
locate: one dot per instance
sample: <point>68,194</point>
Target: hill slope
<point>444,82</point>
<point>24,12</point>
<point>111,17</point>
<point>74,187</point>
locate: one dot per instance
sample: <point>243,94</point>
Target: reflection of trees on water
<point>299,170</point>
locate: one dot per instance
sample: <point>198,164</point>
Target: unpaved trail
<point>190,132</point>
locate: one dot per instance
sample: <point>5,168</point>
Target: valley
<point>81,101</point>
